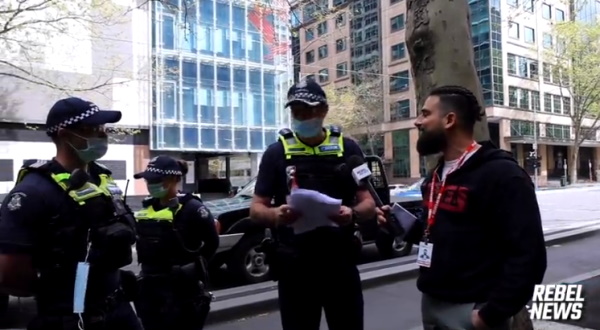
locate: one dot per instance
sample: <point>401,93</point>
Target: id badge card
<point>424,254</point>
<point>81,281</point>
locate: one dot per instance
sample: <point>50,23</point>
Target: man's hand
<point>478,323</point>
<point>382,213</point>
<point>285,215</point>
<point>344,217</point>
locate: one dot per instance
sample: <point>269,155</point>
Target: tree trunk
<point>573,162</point>
<point>441,53</point>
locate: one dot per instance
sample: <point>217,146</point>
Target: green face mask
<point>157,190</point>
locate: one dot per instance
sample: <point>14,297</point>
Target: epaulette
<point>147,201</point>
<point>286,133</point>
<point>34,163</point>
<point>335,130</point>
<point>101,168</point>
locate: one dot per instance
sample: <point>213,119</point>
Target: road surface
<point>396,306</point>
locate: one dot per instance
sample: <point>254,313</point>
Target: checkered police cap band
<point>73,120</point>
<point>164,172</point>
<point>307,96</point>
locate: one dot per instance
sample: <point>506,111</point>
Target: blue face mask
<point>308,128</point>
<point>96,149</point>
<point>157,190</point>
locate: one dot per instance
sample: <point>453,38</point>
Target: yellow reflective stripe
<point>333,145</point>
<point>150,214</point>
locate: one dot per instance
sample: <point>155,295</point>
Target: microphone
<point>362,176</point>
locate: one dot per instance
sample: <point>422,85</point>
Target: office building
<point>509,38</point>
<point>220,76</point>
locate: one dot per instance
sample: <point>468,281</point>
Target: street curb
<point>265,301</point>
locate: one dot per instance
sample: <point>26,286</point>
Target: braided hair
<point>460,101</point>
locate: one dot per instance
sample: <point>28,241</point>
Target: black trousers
<point>122,317</point>
<point>166,304</point>
<point>309,285</point>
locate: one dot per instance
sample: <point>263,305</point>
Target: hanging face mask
<point>157,190</point>
<point>308,128</point>
<point>96,148</point>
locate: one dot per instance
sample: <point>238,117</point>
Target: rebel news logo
<point>553,302</point>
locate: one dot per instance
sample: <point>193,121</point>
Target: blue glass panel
<point>190,104</point>
<point>239,17</point>
<point>171,68</point>
<point>240,139</point>
<point>238,45</point>
<point>254,47</point>
<point>206,39</point>
<point>225,138</point>
<point>223,103</point>
<point>206,10</point>
<point>239,78</point>
<point>169,100</point>
<point>271,137</point>
<point>255,114</point>
<point>239,108</point>
<point>188,35</point>
<point>168,32</point>
<point>255,81</point>
<point>270,111</point>
<point>256,140</point>
<point>207,105</point>
<point>190,137</point>
<point>207,137</point>
<point>223,15</point>
<point>269,81</point>
<point>155,139</point>
<point>207,74</point>
<point>189,71</point>
<point>223,76</point>
<point>171,137</point>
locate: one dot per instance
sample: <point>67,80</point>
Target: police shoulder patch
<point>15,202</point>
<point>203,211</point>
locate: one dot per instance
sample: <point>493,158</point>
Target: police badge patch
<point>15,201</point>
<point>203,212</point>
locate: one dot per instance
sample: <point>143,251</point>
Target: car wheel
<point>389,248</point>
<point>247,264</point>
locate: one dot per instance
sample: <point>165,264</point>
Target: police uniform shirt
<point>33,202</point>
<point>272,178</point>
<point>196,225</point>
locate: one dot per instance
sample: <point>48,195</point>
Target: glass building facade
<point>221,71</point>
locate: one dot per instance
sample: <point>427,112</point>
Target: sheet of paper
<point>405,218</point>
<point>316,208</point>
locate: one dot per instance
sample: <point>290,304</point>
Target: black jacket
<point>488,242</point>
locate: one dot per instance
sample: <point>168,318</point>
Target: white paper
<point>405,218</point>
<point>315,207</point>
<point>191,174</point>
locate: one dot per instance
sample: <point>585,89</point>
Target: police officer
<point>176,236</point>
<point>315,270</point>
<point>64,225</point>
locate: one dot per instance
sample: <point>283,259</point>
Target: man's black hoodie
<point>488,242</point>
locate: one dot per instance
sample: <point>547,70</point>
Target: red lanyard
<point>434,207</point>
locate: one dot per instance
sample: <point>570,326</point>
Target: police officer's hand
<point>285,215</point>
<point>382,213</point>
<point>344,217</point>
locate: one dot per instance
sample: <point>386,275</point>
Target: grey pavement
<point>569,208</point>
<point>397,306</point>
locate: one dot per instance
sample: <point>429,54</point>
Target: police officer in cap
<point>316,269</point>
<point>176,237</point>
<point>65,230</point>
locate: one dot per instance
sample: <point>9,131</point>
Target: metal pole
<point>540,93</point>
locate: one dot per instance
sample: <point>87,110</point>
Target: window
<point>566,103</point>
<point>547,40</point>
<point>322,28</point>
<point>560,132</point>
<point>399,81</point>
<point>394,1</point>
<point>521,128</point>
<point>528,6</point>
<point>341,70</point>
<point>513,97</point>
<point>309,34</point>
<point>310,56</point>
<point>401,153</point>
<point>560,15</point>
<point>522,66</point>
<point>323,75</point>
<point>547,73</point>
<point>340,45</point>
<point>397,23</point>
<point>535,100</point>
<point>512,64</point>
<point>529,35</point>
<point>513,3</point>
<point>340,20</point>
<point>400,110</point>
<point>547,102</point>
<point>398,51</point>
<point>323,52</point>
<point>310,77</point>
<point>557,104</point>
<point>513,30</point>
<point>546,11</point>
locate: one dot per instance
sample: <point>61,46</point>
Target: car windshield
<point>416,185</point>
<point>248,190</point>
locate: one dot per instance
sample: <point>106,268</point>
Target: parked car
<point>241,237</point>
<point>410,193</point>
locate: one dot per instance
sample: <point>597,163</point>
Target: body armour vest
<point>160,244</point>
<point>95,226</point>
<point>319,168</point>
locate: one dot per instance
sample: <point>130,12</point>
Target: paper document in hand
<point>315,207</point>
<point>405,218</point>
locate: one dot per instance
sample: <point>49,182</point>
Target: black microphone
<point>362,176</point>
